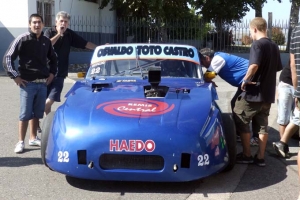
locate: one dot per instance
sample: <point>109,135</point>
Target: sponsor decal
<point>147,50</point>
<point>132,88</point>
<point>126,81</point>
<point>131,145</point>
<point>136,108</point>
<point>95,70</point>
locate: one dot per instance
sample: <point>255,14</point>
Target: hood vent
<point>159,91</point>
<point>97,87</point>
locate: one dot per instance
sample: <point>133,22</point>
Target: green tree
<point>157,9</point>
<point>246,40</point>
<point>156,20</point>
<point>257,6</point>
<point>222,11</point>
<point>278,36</point>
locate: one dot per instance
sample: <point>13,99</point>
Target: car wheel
<point>230,137</point>
<point>47,122</point>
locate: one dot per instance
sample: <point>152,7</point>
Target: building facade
<point>14,16</point>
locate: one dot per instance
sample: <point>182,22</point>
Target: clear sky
<point>281,11</point>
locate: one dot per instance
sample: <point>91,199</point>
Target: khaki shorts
<point>246,111</point>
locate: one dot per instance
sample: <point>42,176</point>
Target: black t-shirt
<point>266,55</point>
<point>286,75</point>
<point>62,48</point>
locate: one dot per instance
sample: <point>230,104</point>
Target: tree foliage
<point>257,5</point>
<point>163,19</point>
<point>157,14</point>
<point>246,40</point>
<point>163,9</point>
<point>222,11</point>
<point>278,36</point>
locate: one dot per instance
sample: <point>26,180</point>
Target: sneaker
<point>259,162</point>
<point>242,159</point>
<point>39,130</point>
<point>254,141</point>
<point>238,138</point>
<point>19,147</point>
<point>281,149</point>
<point>35,142</point>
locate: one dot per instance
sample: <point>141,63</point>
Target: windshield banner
<point>145,51</point>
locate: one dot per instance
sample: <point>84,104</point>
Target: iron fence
<point>233,38</point>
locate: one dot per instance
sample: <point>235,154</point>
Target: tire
<point>46,127</point>
<point>230,137</point>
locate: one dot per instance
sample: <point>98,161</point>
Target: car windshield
<point>139,67</point>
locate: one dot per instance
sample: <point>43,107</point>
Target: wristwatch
<point>246,81</point>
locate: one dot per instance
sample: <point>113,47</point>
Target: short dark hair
<point>207,52</point>
<point>35,15</point>
<point>201,57</point>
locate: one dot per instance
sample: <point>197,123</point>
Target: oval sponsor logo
<point>136,108</point>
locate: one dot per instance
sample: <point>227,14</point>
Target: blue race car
<point>142,113</point>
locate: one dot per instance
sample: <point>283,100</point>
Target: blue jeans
<point>32,101</point>
<point>55,88</point>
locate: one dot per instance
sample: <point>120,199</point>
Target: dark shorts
<point>246,111</point>
<point>54,89</point>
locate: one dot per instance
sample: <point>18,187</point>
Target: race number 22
<point>63,156</point>
<point>203,160</point>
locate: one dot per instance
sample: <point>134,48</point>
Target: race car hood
<point>124,107</point>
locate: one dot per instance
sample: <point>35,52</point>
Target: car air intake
<point>134,162</point>
<point>185,160</point>
<point>81,155</point>
<point>97,87</point>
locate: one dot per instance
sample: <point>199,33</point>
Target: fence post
<point>270,22</point>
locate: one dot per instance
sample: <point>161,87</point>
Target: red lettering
<point>131,145</point>
<point>139,145</point>
<point>149,145</point>
<point>123,146</point>
<point>113,145</point>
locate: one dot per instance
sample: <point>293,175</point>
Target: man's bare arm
<point>293,70</point>
<point>251,71</point>
<point>60,33</point>
<point>54,39</point>
<point>90,45</point>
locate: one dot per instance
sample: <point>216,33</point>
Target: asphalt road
<point>23,176</point>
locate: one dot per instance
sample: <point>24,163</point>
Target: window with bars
<point>45,9</point>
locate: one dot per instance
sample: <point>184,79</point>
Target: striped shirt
<point>295,49</point>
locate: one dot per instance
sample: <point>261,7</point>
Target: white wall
<point>15,13</point>
<point>83,12</point>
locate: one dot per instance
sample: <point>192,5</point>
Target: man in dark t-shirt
<point>264,63</point>
<point>62,39</point>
